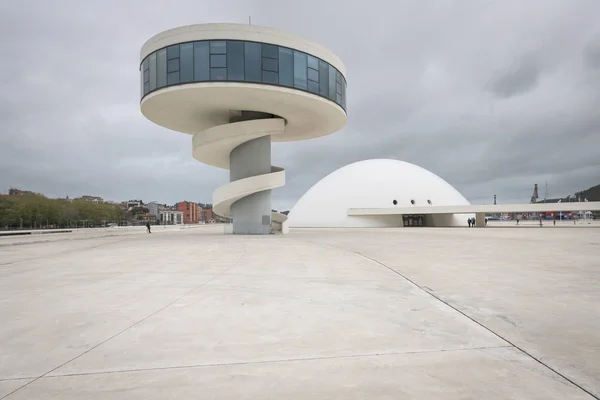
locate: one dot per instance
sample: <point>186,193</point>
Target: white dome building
<point>379,183</point>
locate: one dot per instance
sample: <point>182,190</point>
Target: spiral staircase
<point>214,146</point>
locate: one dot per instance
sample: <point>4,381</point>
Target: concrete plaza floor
<point>317,314</point>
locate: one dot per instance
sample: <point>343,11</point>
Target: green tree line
<point>35,211</point>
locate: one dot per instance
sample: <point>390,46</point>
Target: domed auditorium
<point>377,184</point>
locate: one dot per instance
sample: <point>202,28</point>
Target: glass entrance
<point>413,220</point>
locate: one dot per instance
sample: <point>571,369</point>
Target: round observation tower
<point>235,89</point>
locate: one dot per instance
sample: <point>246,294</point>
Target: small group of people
<point>471,222</point>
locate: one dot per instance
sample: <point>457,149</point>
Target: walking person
<point>469,221</point>
<point>148,226</point>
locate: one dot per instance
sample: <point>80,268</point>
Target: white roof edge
<point>484,208</point>
<point>246,32</point>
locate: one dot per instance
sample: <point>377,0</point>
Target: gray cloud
<point>492,96</point>
<point>519,78</point>
<point>592,53</point>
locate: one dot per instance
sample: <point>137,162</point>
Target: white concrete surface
<point>348,314</point>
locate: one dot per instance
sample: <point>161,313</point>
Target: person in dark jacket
<point>148,227</point>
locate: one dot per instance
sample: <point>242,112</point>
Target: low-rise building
<point>134,203</point>
<point>190,211</point>
<point>170,217</point>
<point>147,218</point>
<point>206,215</point>
<point>155,208</point>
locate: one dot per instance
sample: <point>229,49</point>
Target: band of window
<point>233,60</point>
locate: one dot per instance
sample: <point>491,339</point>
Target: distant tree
<point>33,210</point>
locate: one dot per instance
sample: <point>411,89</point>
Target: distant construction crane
<point>535,196</point>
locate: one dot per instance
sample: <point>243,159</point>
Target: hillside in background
<point>591,194</point>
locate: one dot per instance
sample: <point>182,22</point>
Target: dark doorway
<point>413,220</point>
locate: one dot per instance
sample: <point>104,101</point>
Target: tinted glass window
<point>338,88</point>
<point>141,82</point>
<point>201,61</point>
<point>269,64</point>
<point>269,50</point>
<point>218,74</point>
<point>331,93</point>
<point>300,70</point>
<point>286,67</point>
<point>235,61</point>
<point>313,87</point>
<point>218,61</point>
<point>152,58</point>
<point>323,78</point>
<point>252,62</point>
<point>161,68</point>
<point>173,51</point>
<point>145,76</point>
<point>173,65</point>
<point>186,62</point>
<point>218,47</point>
<point>270,77</point>
<point>344,95</point>
<point>173,78</point>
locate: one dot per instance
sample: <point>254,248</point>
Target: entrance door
<point>413,220</point>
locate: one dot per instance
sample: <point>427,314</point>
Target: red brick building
<point>207,215</point>
<point>190,211</point>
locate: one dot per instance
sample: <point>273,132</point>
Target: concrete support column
<point>252,214</point>
<point>480,220</point>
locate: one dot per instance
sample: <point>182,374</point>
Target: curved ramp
<point>214,146</point>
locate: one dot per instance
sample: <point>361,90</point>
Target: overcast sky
<point>492,95</point>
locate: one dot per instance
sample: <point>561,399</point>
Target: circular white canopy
<point>375,183</point>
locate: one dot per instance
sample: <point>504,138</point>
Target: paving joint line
<point>64,252</point>
<point>131,326</point>
<point>284,360</point>
<point>539,361</point>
